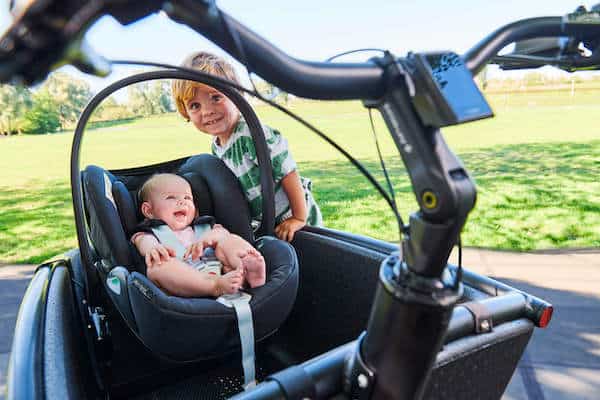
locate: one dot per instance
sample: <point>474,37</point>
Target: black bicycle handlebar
<point>479,55</point>
<point>327,81</point>
<point>33,37</point>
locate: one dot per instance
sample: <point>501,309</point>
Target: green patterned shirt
<point>239,154</point>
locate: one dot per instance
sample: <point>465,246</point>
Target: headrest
<point>112,206</point>
<point>217,192</point>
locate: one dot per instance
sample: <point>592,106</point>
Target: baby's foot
<point>229,283</point>
<point>254,265</point>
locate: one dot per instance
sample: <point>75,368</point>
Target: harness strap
<point>165,235</point>
<point>200,230</point>
<point>240,301</point>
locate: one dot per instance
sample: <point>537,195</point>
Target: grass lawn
<point>536,165</point>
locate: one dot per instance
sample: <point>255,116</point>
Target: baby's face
<point>212,112</point>
<point>171,200</point>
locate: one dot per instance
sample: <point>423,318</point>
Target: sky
<point>317,29</point>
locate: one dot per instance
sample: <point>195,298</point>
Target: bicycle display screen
<point>446,93</point>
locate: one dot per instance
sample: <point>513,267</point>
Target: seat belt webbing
<point>165,235</point>
<point>240,301</point>
<point>167,238</point>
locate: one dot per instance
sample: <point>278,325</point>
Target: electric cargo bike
<point>402,321</point>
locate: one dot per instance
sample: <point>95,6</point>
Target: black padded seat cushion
<point>217,192</point>
<point>103,216</point>
<point>200,328</point>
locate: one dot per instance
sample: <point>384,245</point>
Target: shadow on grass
<point>530,196</point>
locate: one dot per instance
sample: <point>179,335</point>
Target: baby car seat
<point>182,329</point>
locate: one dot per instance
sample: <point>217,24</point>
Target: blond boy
<point>213,113</point>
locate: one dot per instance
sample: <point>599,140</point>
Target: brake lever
<point>81,55</point>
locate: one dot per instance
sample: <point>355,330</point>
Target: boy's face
<point>212,112</point>
<point>171,200</point>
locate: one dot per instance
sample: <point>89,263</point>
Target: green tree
<point>272,92</point>
<point>70,94</point>
<point>109,110</point>
<point>43,116</point>
<point>14,102</point>
<point>150,98</point>
<point>138,103</point>
<point>161,98</point>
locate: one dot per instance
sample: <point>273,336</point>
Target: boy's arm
<point>293,189</point>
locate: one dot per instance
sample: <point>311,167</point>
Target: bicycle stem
<point>413,304</point>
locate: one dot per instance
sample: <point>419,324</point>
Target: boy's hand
<point>158,254</point>
<point>287,229</point>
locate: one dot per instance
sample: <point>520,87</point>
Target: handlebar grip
<point>325,371</point>
<point>479,55</point>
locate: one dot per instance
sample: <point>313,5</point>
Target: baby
<point>167,200</point>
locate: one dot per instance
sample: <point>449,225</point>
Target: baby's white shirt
<point>186,236</point>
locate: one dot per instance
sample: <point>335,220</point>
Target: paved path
<point>13,282</point>
<point>561,362</point>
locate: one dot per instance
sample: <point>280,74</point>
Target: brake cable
<point>330,59</point>
<point>402,229</point>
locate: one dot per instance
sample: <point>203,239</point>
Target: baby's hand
<point>287,229</point>
<point>158,254</point>
<point>194,251</point>
<point>229,283</point>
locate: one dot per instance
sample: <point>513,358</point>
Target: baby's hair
<point>205,62</point>
<point>150,184</point>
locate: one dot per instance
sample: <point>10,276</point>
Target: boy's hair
<point>205,62</point>
<point>150,184</point>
